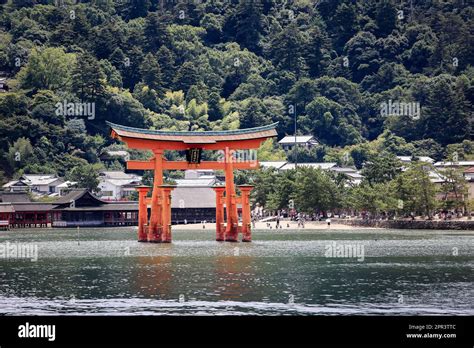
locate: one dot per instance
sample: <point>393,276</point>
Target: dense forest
<point>211,65</point>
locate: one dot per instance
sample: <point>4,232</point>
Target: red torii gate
<point>158,229</point>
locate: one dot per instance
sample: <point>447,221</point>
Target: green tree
<point>151,73</point>
<point>245,24</point>
<point>415,189</point>
<point>316,191</point>
<point>374,198</point>
<point>49,68</point>
<point>444,118</point>
<point>86,176</point>
<point>88,79</point>
<point>454,189</point>
<point>186,77</point>
<point>381,168</point>
<point>253,113</point>
<point>283,190</point>
<point>20,154</point>
<point>155,32</point>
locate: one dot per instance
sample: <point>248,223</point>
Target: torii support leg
<point>231,231</point>
<point>166,211</point>
<point>154,229</point>
<point>142,213</point>
<point>246,227</point>
<point>219,212</point>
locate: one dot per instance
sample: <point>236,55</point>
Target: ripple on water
<point>105,271</point>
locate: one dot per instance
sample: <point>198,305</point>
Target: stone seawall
<point>408,224</point>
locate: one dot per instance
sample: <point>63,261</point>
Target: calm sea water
<point>105,271</point>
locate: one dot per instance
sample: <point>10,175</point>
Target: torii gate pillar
<point>156,224</point>
<point>220,230</point>
<point>142,212</point>
<point>166,217</point>
<point>232,226</point>
<point>246,219</point>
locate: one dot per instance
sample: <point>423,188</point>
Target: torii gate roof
<point>156,139</point>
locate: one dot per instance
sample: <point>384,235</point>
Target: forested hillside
<point>206,65</point>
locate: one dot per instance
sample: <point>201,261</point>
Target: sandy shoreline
<point>310,225</point>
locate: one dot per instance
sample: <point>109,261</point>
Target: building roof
<point>201,182</point>
<point>14,197</point>
<point>207,137</point>
<point>124,182</point>
<point>300,139</point>
<point>469,170</point>
<point>16,183</point>
<point>78,195</point>
<point>193,197</point>
<point>322,165</point>
<point>272,164</point>
<point>436,177</point>
<point>6,208</point>
<point>39,179</point>
<point>20,207</point>
<point>118,174</point>
<point>354,175</point>
<point>408,159</point>
<point>116,206</point>
<point>345,170</point>
<point>455,164</point>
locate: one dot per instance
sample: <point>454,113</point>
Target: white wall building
<point>43,184</point>
<point>117,185</point>
<point>289,141</point>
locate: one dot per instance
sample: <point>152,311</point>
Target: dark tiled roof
<point>202,137</point>
<point>76,194</point>
<point>107,207</point>
<point>14,197</point>
<point>20,207</point>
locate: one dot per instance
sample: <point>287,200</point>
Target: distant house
<point>288,142</point>
<point>19,211</point>
<point>117,185</point>
<point>44,184</point>
<point>81,208</point>
<point>16,186</point>
<point>353,175</point>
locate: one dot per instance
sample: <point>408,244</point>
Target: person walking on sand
<point>328,220</point>
<point>278,221</point>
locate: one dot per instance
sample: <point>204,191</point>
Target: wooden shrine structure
<point>158,227</point>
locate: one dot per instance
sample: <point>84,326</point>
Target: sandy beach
<point>310,225</point>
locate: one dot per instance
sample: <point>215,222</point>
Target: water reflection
<point>105,271</point>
